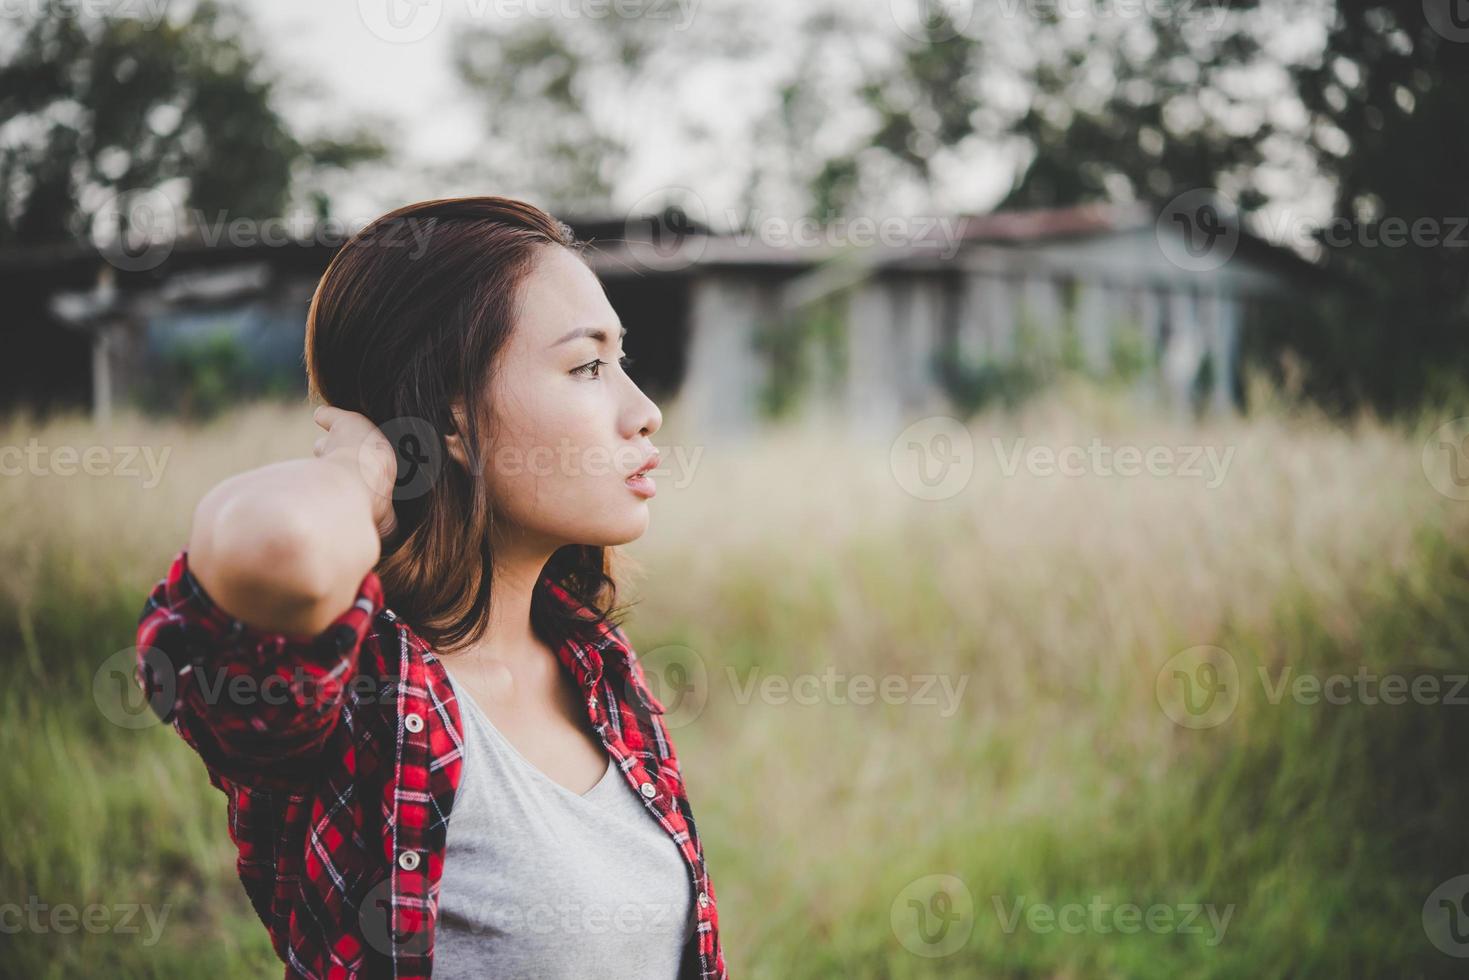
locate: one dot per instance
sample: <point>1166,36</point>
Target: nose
<point>645,413</point>
<point>655,420</point>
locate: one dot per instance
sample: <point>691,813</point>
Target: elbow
<point>257,558</point>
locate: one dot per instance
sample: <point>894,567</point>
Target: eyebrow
<point>599,334</point>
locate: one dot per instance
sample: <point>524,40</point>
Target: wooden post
<point>102,374</point>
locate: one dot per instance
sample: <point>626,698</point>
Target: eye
<point>593,369</point>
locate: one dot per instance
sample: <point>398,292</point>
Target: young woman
<point>476,780</point>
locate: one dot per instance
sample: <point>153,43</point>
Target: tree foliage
<point>96,106</point>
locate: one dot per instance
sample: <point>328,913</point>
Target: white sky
<point>389,60</point>
<point>338,63</point>
<point>341,66</point>
<point>338,68</point>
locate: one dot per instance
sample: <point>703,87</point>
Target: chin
<point>622,532</point>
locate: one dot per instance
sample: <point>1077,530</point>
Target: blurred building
<point>735,327</point>
<point>886,333</point>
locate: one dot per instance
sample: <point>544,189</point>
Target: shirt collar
<point>587,650</point>
<point>584,650</point>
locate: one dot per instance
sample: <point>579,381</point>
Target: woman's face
<point>569,431</point>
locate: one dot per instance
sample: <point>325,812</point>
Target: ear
<point>452,440</point>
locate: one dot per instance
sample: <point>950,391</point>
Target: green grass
<point>1058,780</point>
<point>1325,828</point>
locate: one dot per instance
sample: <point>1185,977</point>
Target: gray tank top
<point>541,882</point>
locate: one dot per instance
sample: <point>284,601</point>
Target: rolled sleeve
<point>258,706</point>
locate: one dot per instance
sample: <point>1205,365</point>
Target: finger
<point>324,416</point>
<point>317,446</point>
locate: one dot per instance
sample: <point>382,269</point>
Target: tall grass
<point>1056,777</point>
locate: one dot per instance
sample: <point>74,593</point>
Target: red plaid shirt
<point>340,754</point>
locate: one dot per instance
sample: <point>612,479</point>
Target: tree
<point>1386,107</point>
<point>1209,96</point>
<point>93,107</point>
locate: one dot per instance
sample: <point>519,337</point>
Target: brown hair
<point>410,315</point>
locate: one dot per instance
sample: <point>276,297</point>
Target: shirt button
<point>648,790</point>
<point>703,900</point>
<point>408,860</point>
<point>414,723</point>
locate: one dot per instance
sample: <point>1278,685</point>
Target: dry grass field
<point>964,736</point>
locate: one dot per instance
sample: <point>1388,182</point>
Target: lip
<point>649,464</point>
<point>640,482</point>
<point>643,486</point>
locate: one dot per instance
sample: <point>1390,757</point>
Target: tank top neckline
<point>462,693</point>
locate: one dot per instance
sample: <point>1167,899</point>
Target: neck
<point>508,637</point>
